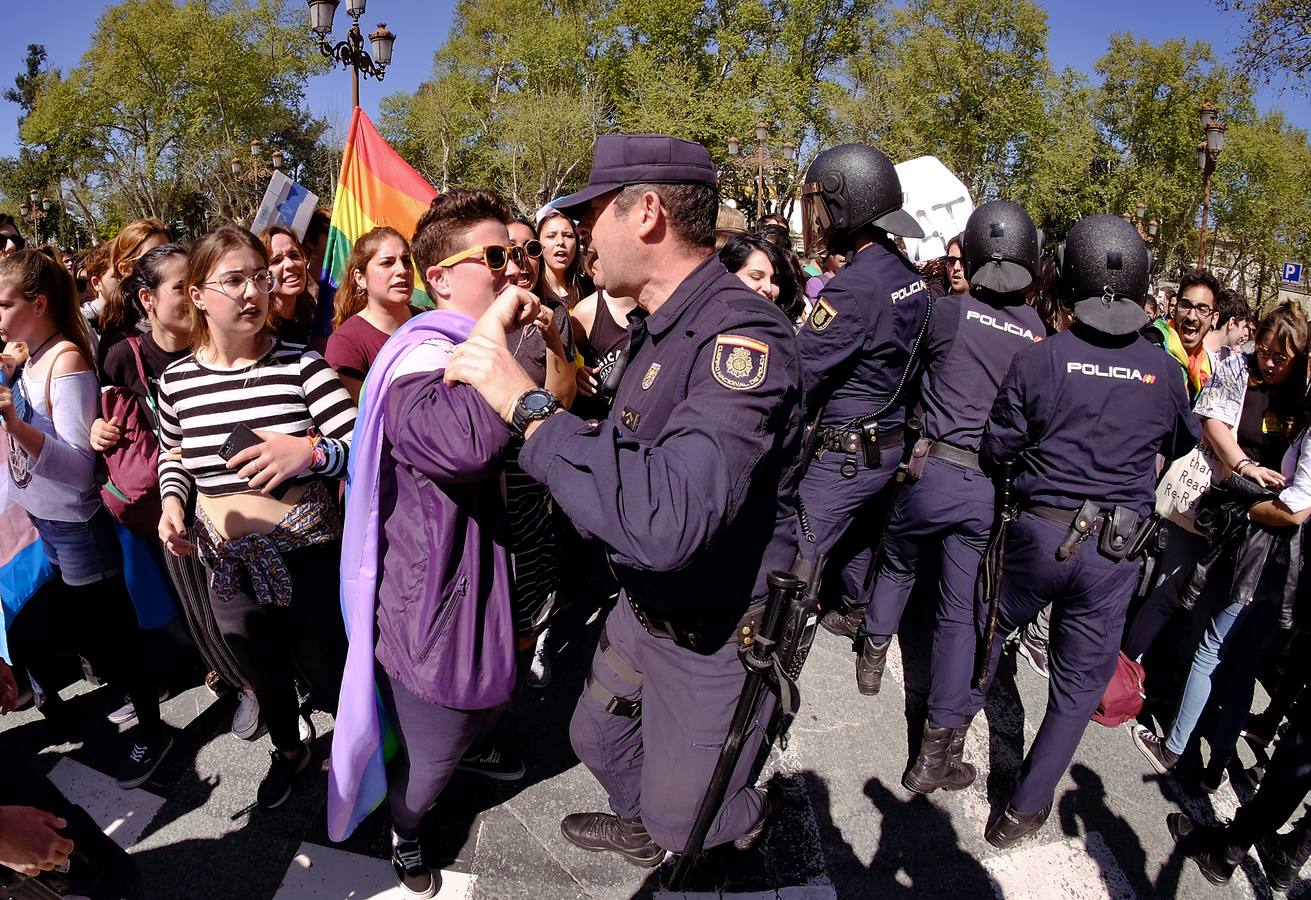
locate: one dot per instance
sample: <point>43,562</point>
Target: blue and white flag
<point>286,203</point>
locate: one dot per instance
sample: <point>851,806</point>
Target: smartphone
<point>239,439</point>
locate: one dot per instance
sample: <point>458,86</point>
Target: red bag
<point>1123,698</point>
<point>131,489</point>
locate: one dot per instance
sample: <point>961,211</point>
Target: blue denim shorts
<point>85,552</point>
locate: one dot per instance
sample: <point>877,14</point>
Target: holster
<point>1118,533</point>
<point>919,457</point>
<point>1082,526</point>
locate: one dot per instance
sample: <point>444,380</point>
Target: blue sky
<point>1078,35</point>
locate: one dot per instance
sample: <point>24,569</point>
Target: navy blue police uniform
<point>856,353</point>
<point>967,351</point>
<point>690,484</point>
<point>1082,417</point>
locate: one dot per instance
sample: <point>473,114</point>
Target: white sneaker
<point>539,670</point>
<point>306,729</point>
<point>245,724</point>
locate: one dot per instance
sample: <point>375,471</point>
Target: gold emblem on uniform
<point>739,363</point>
<point>822,315</point>
<point>649,378</point>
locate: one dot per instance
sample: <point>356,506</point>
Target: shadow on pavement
<point>1084,810</point>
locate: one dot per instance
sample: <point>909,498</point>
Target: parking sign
<point>1292,273</point>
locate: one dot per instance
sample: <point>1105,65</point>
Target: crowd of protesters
<point>146,347</point>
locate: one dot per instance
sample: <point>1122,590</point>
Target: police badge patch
<point>822,315</point>
<point>739,363</point>
<point>649,378</point>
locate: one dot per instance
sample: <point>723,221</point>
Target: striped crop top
<point>287,390</point>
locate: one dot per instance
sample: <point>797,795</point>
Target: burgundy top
<point>354,346</point>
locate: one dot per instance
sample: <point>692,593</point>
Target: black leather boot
<point>1282,855</point>
<point>869,665</point>
<point>1215,857</point>
<point>844,622</point>
<point>602,831</point>
<point>1013,826</point>
<point>939,763</point>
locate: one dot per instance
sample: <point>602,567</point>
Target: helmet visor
<point>816,224</point>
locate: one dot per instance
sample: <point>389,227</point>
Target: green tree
<point>166,95</point>
<point>1277,39</point>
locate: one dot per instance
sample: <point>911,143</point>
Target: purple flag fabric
<point>357,778</point>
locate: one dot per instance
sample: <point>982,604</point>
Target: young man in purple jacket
<point>445,633</point>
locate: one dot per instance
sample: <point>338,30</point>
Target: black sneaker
<point>142,761</point>
<point>1163,760</point>
<point>1034,649</point>
<point>1259,730</point>
<point>1213,778</point>
<point>127,712</point>
<point>276,786</point>
<point>412,873</point>
<point>491,762</point>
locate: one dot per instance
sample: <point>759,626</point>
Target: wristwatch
<point>532,406</point>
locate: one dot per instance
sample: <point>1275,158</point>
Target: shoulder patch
<point>739,363</point>
<point>822,315</point>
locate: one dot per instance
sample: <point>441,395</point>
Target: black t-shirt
<point>120,367</point>
<point>1267,424</point>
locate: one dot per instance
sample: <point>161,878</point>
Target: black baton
<point>759,661</point>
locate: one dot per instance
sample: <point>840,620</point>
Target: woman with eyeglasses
<point>264,431</point>
<point>371,304</point>
<point>1251,409</point>
<point>292,304</point>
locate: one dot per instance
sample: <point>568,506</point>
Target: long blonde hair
<point>351,298</point>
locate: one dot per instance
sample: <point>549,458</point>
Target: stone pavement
<point>847,830</point>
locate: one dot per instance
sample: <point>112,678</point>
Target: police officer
<point>690,484</point>
<point>1081,416</point>
<point>856,356</point>
<point>949,503</point>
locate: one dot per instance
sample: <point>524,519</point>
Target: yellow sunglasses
<point>494,257</point>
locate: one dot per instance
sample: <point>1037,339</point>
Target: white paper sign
<point>938,200</point>
<point>286,203</point>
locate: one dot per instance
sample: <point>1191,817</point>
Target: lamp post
<point>758,161</point>
<point>256,172</point>
<point>1208,153</point>
<point>36,209</point>
<point>350,52</point>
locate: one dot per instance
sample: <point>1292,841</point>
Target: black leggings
<point>271,643</point>
<point>98,622</point>
<point>1285,785</point>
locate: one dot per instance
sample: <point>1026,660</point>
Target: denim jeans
<point>1238,636</point>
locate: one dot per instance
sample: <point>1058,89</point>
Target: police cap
<point>619,160</point>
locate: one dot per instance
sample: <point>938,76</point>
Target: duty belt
<point>965,458</point>
<point>701,634</point>
<point>1122,534</point>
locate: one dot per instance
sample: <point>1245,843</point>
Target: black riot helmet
<point>848,188</point>
<point>1000,247</point>
<point>1104,266</point>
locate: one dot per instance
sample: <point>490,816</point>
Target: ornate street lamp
<point>350,52</point>
<point>759,162</point>
<point>1208,154</point>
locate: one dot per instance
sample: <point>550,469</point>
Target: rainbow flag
<point>376,187</point>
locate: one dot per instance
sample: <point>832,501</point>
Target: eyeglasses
<point>234,283</point>
<point>494,256</point>
<point>1279,359</point>
<point>1183,306</point>
<point>532,247</point>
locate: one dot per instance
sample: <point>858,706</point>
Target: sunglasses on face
<point>494,256</point>
<point>954,261</point>
<point>532,248</point>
